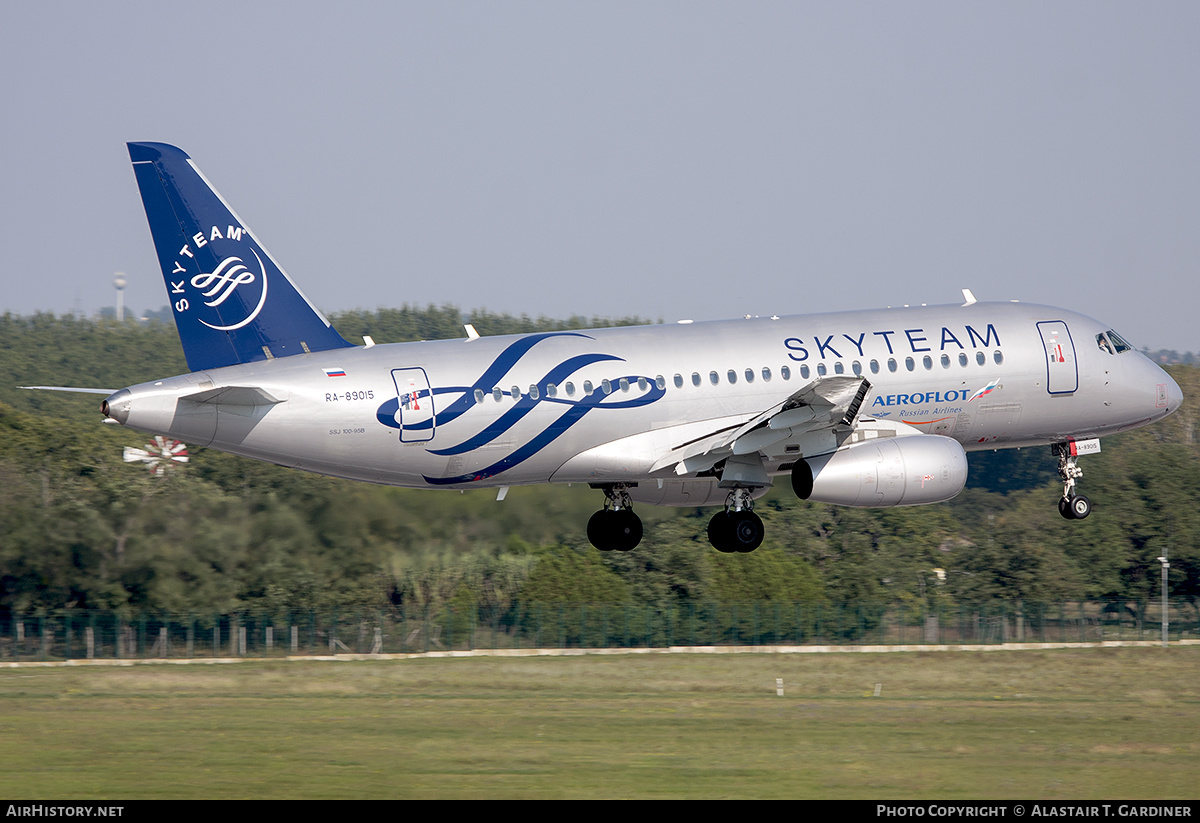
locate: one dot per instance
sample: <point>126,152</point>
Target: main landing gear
<point>1072,506</point>
<point>737,528</point>
<point>615,527</point>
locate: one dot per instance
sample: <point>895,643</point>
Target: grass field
<point>1088,723</point>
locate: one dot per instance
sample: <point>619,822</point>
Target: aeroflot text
<point>922,397</point>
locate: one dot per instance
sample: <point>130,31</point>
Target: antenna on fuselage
<point>970,298</point>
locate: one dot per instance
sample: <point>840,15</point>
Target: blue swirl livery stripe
<point>495,372</point>
<point>576,411</point>
<point>523,406</point>
<point>502,365</point>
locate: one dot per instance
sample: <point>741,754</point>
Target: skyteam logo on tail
<point>232,287</point>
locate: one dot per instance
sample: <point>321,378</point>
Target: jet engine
<point>896,471</point>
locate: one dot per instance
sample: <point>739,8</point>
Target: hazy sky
<point>662,159</point>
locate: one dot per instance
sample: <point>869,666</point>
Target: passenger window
<point>624,383</point>
<point>588,388</point>
<point>533,393</point>
<point>857,368</point>
<point>516,393</point>
<point>570,390</point>
<point>838,368</point>
<point>927,362</point>
<point>766,375</point>
<point>909,363</point>
<point>891,364</point>
<point>679,381</point>
<point>479,395</point>
<point>998,357</point>
<point>714,378</point>
<point>821,369</point>
<point>749,375</point>
<point>980,358</point>
<point>606,385</point>
<point>497,394</point>
<point>551,390</point>
<point>945,361</point>
<point>695,378</point>
<point>732,375</point>
<point>786,373</point>
<point>962,358</point>
<point>661,382</point>
<point>803,372</point>
<point>874,367</point>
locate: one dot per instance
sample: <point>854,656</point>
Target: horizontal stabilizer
<point>249,396</point>
<point>105,392</point>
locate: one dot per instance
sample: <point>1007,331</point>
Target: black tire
<point>1064,508</point>
<point>627,530</point>
<point>748,531</point>
<point>1081,507</point>
<point>720,532</point>
<point>600,531</point>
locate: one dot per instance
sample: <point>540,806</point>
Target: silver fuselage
<point>498,411</point>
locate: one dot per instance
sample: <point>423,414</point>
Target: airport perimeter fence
<point>81,635</point>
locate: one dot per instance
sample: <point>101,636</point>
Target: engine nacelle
<point>896,471</point>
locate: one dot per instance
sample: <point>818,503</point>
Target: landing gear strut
<point>737,528</point>
<point>615,527</point>
<point>1072,506</point>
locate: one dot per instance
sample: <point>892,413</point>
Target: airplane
<point>869,408</point>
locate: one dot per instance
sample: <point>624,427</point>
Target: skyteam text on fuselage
<point>869,408</point>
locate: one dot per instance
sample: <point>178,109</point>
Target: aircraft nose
<point>1174,394</point>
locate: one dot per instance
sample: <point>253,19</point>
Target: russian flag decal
<point>335,372</point>
<point>988,389</point>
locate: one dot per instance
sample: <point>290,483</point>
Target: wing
<point>805,419</point>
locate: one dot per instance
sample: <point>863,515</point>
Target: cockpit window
<point>1104,345</point>
<point>1118,342</point>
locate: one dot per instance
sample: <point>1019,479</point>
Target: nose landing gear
<point>1072,506</point>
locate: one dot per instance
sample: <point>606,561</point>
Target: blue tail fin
<point>233,303</point>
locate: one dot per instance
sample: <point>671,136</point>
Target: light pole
<point>119,283</point>
<point>1165,566</point>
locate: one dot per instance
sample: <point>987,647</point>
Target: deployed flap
<point>822,404</point>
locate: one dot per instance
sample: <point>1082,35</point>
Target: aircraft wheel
<point>1064,508</point>
<point>748,531</point>
<point>627,530</point>
<point>600,531</point>
<point>1081,507</point>
<point>614,530</point>
<point>720,532</point>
